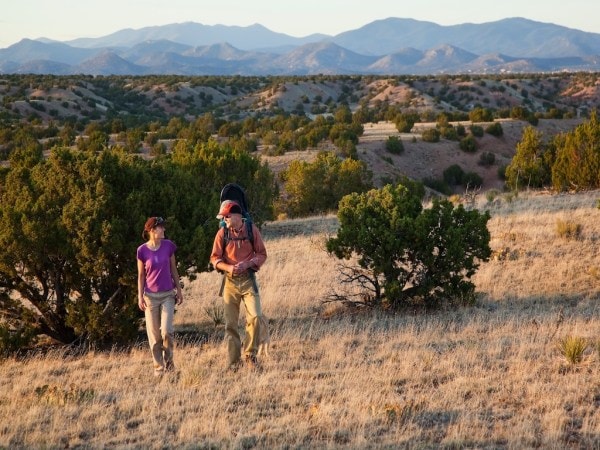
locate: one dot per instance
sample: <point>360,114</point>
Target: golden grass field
<point>485,377</point>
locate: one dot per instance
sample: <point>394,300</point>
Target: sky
<point>64,20</point>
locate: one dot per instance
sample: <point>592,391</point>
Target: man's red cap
<point>229,207</point>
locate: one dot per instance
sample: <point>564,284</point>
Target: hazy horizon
<point>70,19</point>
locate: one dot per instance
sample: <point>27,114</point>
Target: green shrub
<point>449,133</point>
<point>472,180</point>
<point>468,144</point>
<point>495,129</point>
<point>407,254</point>
<point>437,185</point>
<point>454,174</point>
<point>404,123</point>
<point>487,159</point>
<point>318,186</point>
<point>476,130</point>
<point>431,135</point>
<point>394,145</point>
<point>481,115</point>
<point>572,348</point>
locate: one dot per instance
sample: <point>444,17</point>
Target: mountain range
<point>383,47</point>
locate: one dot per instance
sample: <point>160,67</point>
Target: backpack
<point>236,193</point>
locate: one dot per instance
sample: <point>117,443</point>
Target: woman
<point>158,291</point>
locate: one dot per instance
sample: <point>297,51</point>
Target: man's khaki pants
<point>237,290</point>
<point>160,308</point>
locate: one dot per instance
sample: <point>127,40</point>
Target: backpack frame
<point>236,193</point>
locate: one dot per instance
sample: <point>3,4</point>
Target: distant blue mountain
<point>516,37</point>
<point>389,46</point>
<point>254,37</point>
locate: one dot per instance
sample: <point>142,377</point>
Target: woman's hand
<point>142,303</point>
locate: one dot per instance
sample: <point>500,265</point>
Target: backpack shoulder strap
<point>226,237</point>
<point>250,231</point>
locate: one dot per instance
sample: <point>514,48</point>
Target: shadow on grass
<point>550,315</point>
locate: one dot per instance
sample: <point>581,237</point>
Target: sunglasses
<point>158,221</point>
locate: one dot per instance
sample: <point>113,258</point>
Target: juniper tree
<point>70,225</point>
<point>407,254</point>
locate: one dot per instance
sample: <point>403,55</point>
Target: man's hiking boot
<point>233,367</point>
<point>251,361</point>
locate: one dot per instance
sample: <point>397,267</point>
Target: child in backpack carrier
<point>239,251</point>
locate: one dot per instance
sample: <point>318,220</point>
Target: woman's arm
<point>141,281</point>
<point>175,276</point>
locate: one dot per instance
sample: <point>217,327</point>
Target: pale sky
<point>64,20</point>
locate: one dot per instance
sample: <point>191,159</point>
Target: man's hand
<point>241,267</point>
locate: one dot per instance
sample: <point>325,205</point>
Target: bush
<point>158,149</point>
<point>394,145</point>
<point>404,123</point>
<point>407,254</point>
<point>481,115</point>
<point>472,180</point>
<point>454,174</point>
<point>317,187</point>
<point>468,144</point>
<point>449,133</point>
<point>495,129</point>
<point>437,185</point>
<point>476,130</point>
<point>487,159</point>
<point>431,135</point>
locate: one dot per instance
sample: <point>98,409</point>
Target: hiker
<point>239,251</point>
<point>158,292</point>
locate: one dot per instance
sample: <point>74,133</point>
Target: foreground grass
<point>488,376</point>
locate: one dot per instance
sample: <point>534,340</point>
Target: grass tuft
<point>568,230</point>
<point>572,348</point>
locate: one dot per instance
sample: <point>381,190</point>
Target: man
<point>239,251</point>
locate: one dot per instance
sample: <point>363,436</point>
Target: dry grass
<point>490,376</point>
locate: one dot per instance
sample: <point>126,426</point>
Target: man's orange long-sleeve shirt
<point>239,248</point>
